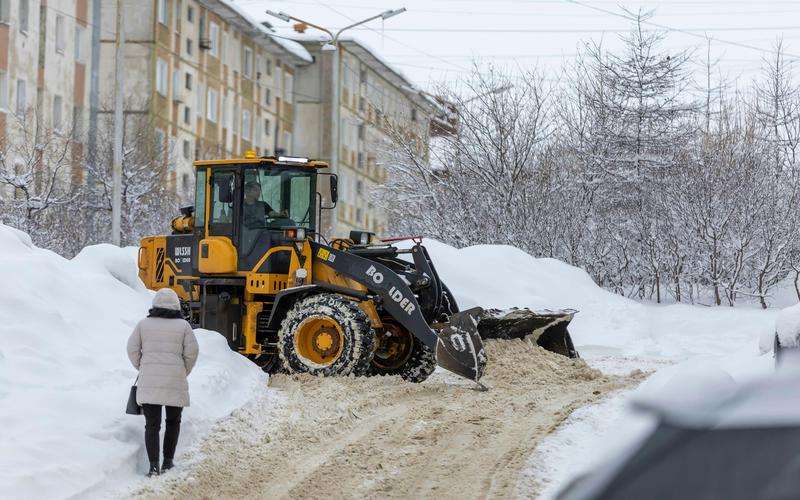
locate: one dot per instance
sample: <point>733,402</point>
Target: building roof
<point>237,16</point>
<point>373,58</point>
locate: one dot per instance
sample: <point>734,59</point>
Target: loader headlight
<point>301,273</point>
<point>295,233</point>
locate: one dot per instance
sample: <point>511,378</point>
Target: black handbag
<point>133,407</point>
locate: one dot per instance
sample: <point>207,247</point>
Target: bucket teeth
<point>459,348</point>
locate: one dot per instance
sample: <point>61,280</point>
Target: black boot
<point>167,465</point>
<point>153,470</point>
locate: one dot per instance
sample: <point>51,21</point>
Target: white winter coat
<point>164,350</point>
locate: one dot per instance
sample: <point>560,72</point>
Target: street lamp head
<point>280,15</point>
<point>391,13</point>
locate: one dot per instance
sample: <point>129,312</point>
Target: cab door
<point>217,250</point>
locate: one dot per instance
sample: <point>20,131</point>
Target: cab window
<point>200,200</point>
<point>222,204</point>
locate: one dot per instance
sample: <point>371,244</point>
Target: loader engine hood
<point>457,344</point>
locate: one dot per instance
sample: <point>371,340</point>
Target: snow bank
<point>788,326</point>
<point>504,276</point>
<point>65,376</point>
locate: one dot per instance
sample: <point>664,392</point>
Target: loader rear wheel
<point>398,352</point>
<point>326,334</point>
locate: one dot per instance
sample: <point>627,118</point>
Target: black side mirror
<point>334,189</point>
<point>225,189</point>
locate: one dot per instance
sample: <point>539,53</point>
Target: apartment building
<point>45,68</point>
<point>214,82</point>
<point>376,102</point>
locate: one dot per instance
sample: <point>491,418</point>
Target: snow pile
<point>607,324</point>
<point>65,375</point>
<point>788,326</point>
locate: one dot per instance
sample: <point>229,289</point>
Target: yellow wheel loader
<point>249,262</point>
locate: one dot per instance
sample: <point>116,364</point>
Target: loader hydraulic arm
<point>396,297</point>
<point>458,347</point>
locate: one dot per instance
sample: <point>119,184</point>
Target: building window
<point>22,103</point>
<point>190,14</point>
<point>287,142</point>
<point>79,35</point>
<point>189,47</point>
<point>226,102</point>
<point>413,114</point>
<point>359,187</point>
<point>269,67</point>
<point>58,112</point>
<point>3,91</point>
<point>188,83</point>
<point>267,127</point>
<point>187,115</point>
<point>61,38</point>
<point>235,119</point>
<point>213,35</point>
<point>362,75</point>
<point>201,99</point>
<point>5,6</point>
<point>288,87</point>
<point>77,124</point>
<point>161,76</point>
<point>359,214</point>
<point>177,13</point>
<point>247,129</point>
<point>161,7</point>
<point>360,162</point>
<point>362,131</point>
<point>247,66</point>
<point>176,85</point>
<point>212,105</point>
<point>24,9</point>
<point>159,144</point>
<point>267,97</point>
<point>187,149</point>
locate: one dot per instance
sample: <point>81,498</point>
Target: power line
<point>495,13</point>
<point>678,30</point>
<point>394,39</point>
<point>575,30</point>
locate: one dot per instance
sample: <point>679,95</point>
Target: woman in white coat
<point>164,350</point>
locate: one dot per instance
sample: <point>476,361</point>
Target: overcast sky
<point>436,40</point>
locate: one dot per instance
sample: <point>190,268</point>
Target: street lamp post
<point>333,47</point>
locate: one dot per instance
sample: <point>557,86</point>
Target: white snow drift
<point>65,376</point>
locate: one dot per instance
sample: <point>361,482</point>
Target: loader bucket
<point>547,328</point>
<point>459,348</point>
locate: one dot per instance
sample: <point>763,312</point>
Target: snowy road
<point>381,437</point>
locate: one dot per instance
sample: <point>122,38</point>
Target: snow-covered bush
<point>660,187</point>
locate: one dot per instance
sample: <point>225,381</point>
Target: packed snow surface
<point>65,375</point>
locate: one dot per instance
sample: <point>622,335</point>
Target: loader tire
<point>326,335</point>
<point>414,364</point>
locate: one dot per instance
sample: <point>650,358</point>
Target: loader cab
<point>244,208</point>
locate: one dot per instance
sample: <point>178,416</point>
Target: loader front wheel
<point>398,352</point>
<point>326,334</point>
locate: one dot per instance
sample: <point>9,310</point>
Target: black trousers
<point>152,426</point>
